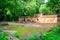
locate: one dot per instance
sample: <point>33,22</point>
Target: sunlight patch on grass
<point>25,30</point>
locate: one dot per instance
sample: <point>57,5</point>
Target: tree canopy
<point>54,5</point>
<point>11,10</point>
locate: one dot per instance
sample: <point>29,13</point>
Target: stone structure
<point>41,19</point>
<point>47,19</point>
<point>58,19</point>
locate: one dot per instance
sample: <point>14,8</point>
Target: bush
<point>16,34</point>
<point>33,37</point>
<point>45,10</point>
<point>54,34</point>
<point>3,35</point>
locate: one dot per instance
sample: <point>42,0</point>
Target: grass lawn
<point>26,31</point>
<point>54,34</point>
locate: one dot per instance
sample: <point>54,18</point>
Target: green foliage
<point>3,35</point>
<point>11,10</point>
<point>44,9</point>
<point>54,5</point>
<point>50,7</point>
<point>54,34</point>
<point>16,34</point>
<point>33,37</point>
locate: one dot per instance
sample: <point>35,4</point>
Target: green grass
<point>26,31</point>
<point>54,34</point>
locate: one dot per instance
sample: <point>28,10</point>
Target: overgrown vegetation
<point>27,31</point>
<point>16,34</point>
<point>33,37</point>
<point>54,34</point>
<point>3,35</point>
<point>11,10</point>
<point>54,6</point>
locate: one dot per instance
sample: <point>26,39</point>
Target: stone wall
<point>58,19</point>
<point>41,19</point>
<point>47,19</point>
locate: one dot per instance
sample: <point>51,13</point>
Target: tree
<point>3,6</point>
<point>54,5</point>
<point>45,10</point>
<point>13,9</point>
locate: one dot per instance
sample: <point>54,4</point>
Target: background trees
<point>51,7</point>
<point>54,5</point>
<point>11,10</point>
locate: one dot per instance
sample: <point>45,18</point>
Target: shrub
<point>33,37</point>
<point>16,34</point>
<point>54,34</point>
<point>3,35</point>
